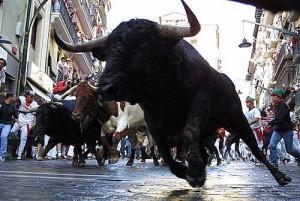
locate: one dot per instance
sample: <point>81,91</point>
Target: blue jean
<point>4,135</point>
<point>288,140</point>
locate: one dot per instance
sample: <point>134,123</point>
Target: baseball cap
<point>277,92</point>
<point>29,93</point>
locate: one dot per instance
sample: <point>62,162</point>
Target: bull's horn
<point>176,32</point>
<point>69,91</point>
<point>82,47</point>
<point>92,86</point>
<point>57,103</point>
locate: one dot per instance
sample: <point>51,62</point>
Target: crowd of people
<point>277,129</point>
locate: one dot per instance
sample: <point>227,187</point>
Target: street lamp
<point>245,43</point>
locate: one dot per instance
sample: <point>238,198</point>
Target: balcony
<point>64,15</point>
<point>62,23</point>
<point>267,18</point>
<point>84,17</point>
<point>283,57</point>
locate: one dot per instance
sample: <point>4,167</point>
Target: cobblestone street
<point>58,180</point>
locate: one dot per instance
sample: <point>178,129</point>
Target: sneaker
<point>19,158</point>
<point>2,159</point>
<point>39,158</point>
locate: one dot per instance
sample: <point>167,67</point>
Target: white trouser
<point>24,128</point>
<point>52,152</point>
<point>70,151</point>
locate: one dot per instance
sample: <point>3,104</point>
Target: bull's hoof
<point>101,162</point>
<point>113,160</point>
<point>113,157</point>
<point>283,179</point>
<point>74,163</point>
<point>287,178</point>
<point>219,162</point>
<point>143,160</point>
<point>163,163</point>
<point>130,162</point>
<point>282,182</point>
<point>81,164</point>
<point>40,158</point>
<point>155,162</point>
<point>196,182</point>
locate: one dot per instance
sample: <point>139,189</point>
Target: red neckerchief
<point>28,102</point>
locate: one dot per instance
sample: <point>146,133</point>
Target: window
<point>34,33</point>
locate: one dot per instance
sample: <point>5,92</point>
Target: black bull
<point>180,93</point>
<point>56,121</point>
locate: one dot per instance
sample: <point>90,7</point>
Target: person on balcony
<point>2,73</point>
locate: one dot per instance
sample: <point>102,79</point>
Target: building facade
<point>208,43</point>
<point>12,29</point>
<point>275,55</point>
<point>37,64</point>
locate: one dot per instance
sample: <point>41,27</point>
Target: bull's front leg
<point>197,156</point>
<point>196,130</point>
<point>81,161</point>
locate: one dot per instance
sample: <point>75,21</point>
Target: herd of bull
<point>183,98</point>
<point>100,126</point>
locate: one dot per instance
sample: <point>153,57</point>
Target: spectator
<point>62,67</point>
<point>56,5</point>
<point>26,119</point>
<point>62,86</point>
<point>2,73</point>
<point>283,128</point>
<point>8,114</point>
<point>254,118</point>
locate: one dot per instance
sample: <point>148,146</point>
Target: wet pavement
<point>58,180</point>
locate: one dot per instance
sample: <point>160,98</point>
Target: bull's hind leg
<point>240,126</point>
<point>51,143</point>
<point>164,149</point>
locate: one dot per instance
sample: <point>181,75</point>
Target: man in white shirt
<point>26,120</point>
<point>2,73</point>
<point>254,118</point>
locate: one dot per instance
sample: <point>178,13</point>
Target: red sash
<point>259,134</point>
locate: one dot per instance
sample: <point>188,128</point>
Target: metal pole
<point>284,31</point>
<point>22,66</point>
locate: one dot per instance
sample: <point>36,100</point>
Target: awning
<point>39,92</point>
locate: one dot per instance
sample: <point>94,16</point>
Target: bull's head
<point>135,50</point>
<point>85,101</point>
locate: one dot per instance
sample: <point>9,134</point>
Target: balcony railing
<point>282,57</point>
<point>87,11</point>
<point>89,57</point>
<point>68,21</point>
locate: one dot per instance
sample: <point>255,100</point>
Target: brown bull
<point>89,111</point>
